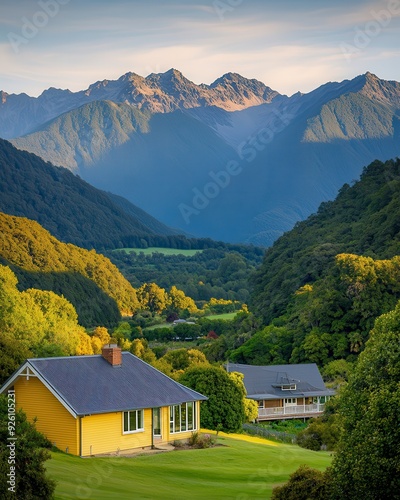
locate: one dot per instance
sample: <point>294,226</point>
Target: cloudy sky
<point>290,45</point>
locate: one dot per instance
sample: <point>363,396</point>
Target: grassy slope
<point>237,470</point>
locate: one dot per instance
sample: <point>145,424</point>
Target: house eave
<point>20,373</point>
<point>291,394</point>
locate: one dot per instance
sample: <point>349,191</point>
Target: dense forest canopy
<point>89,280</point>
<point>362,220</point>
<point>221,272</point>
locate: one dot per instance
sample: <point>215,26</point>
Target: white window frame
<point>288,387</point>
<point>290,401</point>
<point>188,426</point>
<point>137,413</point>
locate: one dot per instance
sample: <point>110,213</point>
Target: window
<point>182,417</point>
<point>133,421</point>
<point>261,403</point>
<point>321,399</point>
<point>288,387</point>
<point>290,401</point>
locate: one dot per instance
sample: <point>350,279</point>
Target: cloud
<point>289,45</point>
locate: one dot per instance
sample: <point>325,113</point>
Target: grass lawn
<point>238,470</point>
<point>227,316</point>
<point>165,251</point>
<point>161,325</point>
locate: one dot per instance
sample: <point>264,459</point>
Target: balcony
<point>291,411</point>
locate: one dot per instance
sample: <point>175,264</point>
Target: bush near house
<point>31,451</point>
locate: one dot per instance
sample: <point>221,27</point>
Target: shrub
<point>194,439</point>
<point>198,440</point>
<point>304,484</point>
<point>30,471</point>
<point>322,432</point>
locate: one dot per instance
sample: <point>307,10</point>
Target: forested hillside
<point>364,219</point>
<point>323,284</point>
<point>87,279</point>
<point>71,209</point>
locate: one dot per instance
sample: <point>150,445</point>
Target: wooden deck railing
<point>290,411</point>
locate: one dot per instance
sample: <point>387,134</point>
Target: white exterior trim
<point>27,370</point>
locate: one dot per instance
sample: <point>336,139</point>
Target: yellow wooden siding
<point>53,419</point>
<point>164,425</point>
<point>101,433</point>
<point>104,434</point>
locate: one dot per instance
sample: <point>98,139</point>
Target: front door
<point>157,422</point>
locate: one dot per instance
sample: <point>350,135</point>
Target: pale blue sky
<point>291,45</point>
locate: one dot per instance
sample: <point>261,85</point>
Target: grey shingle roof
<point>263,382</point>
<point>89,384</point>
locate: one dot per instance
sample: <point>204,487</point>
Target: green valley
<point>200,250</point>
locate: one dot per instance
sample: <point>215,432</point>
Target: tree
<point>84,346</point>
<point>141,349</point>
<point>100,338</point>
<point>322,432</point>
<point>61,320</point>
<point>367,462</point>
<point>31,481</point>
<point>12,354</point>
<point>178,301</point>
<point>152,297</point>
<point>224,408</point>
<point>123,329</point>
<point>212,335</point>
<point>40,320</point>
<point>249,405</point>
<point>337,371</point>
<point>273,345</point>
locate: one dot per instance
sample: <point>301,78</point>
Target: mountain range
<point>234,160</point>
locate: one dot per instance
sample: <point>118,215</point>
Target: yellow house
<point>90,405</point>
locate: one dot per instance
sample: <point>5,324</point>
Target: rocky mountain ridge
<point>157,93</point>
<point>290,153</point>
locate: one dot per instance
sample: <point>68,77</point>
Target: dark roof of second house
<point>90,384</point>
<point>266,382</point>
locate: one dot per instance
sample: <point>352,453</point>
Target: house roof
<point>265,382</point>
<point>88,385</point>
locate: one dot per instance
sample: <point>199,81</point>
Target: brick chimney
<point>113,354</point>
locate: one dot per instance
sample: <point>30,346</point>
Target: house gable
<point>52,417</point>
